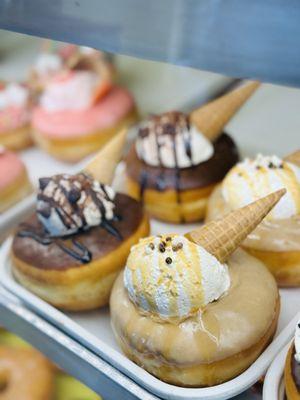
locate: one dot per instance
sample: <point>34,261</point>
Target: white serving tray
<point>273,384</point>
<point>93,330</point>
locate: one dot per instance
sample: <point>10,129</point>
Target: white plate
<point>273,384</point>
<point>93,330</point>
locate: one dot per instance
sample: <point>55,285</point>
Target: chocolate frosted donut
<point>71,250</point>
<point>199,176</point>
<point>98,241</point>
<point>173,167</point>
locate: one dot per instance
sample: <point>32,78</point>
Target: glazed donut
<point>76,272</point>
<point>24,374</point>
<point>184,315</point>
<point>276,241</point>
<point>15,133</point>
<point>14,182</point>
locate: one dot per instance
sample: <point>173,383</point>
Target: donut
<point>70,135</point>
<point>24,374</point>
<point>276,241</point>
<point>14,182</point>
<point>70,252</point>
<point>15,131</point>
<point>194,310</point>
<point>177,159</point>
<point>174,195</point>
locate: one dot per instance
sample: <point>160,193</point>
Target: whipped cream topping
<point>70,90</point>
<point>48,64</point>
<point>297,343</point>
<point>13,95</point>
<point>170,141</point>
<point>252,179</point>
<point>171,277</point>
<point>67,204</point>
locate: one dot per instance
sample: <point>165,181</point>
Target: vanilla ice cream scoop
<point>251,179</point>
<point>172,277</point>
<point>168,140</point>
<point>67,204</point>
<point>297,343</point>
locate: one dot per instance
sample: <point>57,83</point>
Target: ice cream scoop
<point>253,178</point>
<point>172,277</point>
<point>170,141</point>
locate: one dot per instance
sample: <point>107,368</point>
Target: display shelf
<point>237,38</point>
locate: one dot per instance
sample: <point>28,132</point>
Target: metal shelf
<point>67,353</point>
<point>257,39</point>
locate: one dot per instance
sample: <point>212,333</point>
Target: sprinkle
<point>177,247</point>
<point>161,247</point>
<point>151,245</point>
<point>168,239</point>
<point>169,260</point>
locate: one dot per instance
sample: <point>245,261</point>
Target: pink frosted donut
<point>68,124</point>
<point>11,168</point>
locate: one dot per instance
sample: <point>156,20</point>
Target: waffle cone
<point>223,236</point>
<point>294,158</point>
<point>102,166</point>
<point>211,118</point>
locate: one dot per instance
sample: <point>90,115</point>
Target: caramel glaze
<point>295,368</point>
<point>233,323</point>
<point>99,241</point>
<point>276,235</point>
<point>204,174</point>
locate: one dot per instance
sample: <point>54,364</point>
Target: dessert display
<point>71,249</point>
<point>177,159</point>
<point>14,181</point>
<point>276,241</point>
<point>14,116</point>
<point>190,309</point>
<point>292,368</point>
<point>24,374</point>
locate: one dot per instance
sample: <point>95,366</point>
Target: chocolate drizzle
<point>171,124</point>
<point>79,251</point>
<point>62,199</point>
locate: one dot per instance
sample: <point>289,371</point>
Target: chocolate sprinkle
<point>169,260</point>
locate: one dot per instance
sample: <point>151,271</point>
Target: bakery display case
<point>150,195</point>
